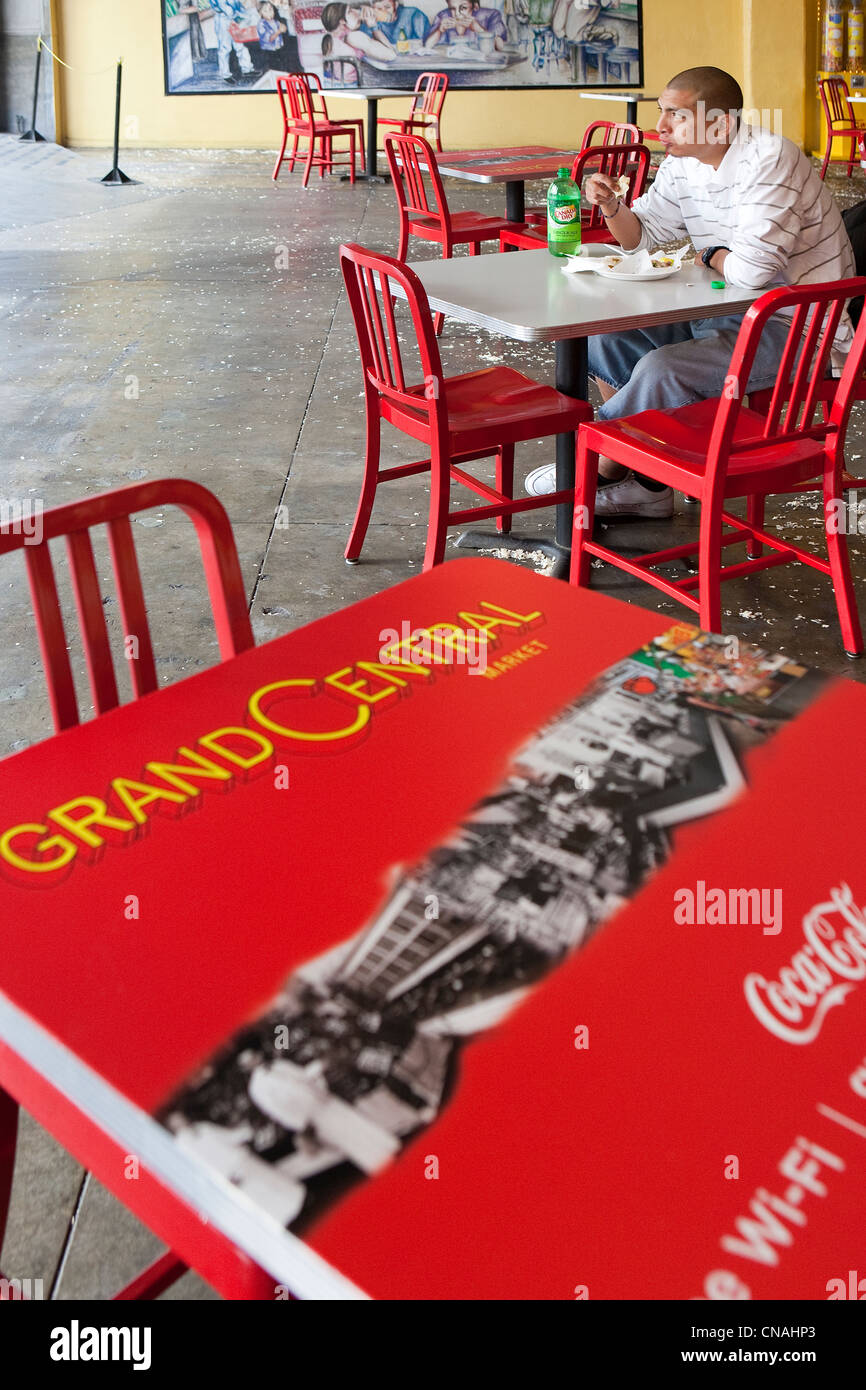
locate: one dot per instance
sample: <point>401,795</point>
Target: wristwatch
<point>707,255</point>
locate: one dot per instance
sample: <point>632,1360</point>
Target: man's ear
<point>718,126</point>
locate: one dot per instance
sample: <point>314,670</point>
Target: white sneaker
<point>626,498</point>
<point>541,480</point>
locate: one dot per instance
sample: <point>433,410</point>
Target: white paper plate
<point>660,272</point>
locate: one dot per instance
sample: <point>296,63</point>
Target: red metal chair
<point>458,418</point>
<point>840,119</point>
<point>305,116</point>
<point>614,160</point>
<point>719,449</point>
<point>192,1245</point>
<point>423,207</point>
<point>425,113</point>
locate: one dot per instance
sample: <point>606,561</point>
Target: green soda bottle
<point>563,215</point>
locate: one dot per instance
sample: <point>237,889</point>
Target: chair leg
<point>352,170</point>
<point>280,155</point>
<point>8,1140</point>
<point>368,486</point>
<point>437,528</point>
<point>309,164</point>
<point>709,567</point>
<point>843,585</point>
<point>585,483</point>
<point>505,482</point>
<point>326,156</point>
<point>475,248</point>
<point>826,155</point>
<point>439,319</point>
<point>853,153</point>
<point>160,1275</point>
<point>755,517</point>
<point>291,157</point>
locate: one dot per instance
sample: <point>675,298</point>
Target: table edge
<point>283,1255</point>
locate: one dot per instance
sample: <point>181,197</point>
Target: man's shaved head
<point>717,89</point>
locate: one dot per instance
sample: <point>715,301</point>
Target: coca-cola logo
<point>820,975</point>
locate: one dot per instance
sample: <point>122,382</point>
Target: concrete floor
<point>193,326</point>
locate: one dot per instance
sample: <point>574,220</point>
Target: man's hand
<point>601,190</point>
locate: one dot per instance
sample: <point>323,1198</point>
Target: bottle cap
<point>717,284</point>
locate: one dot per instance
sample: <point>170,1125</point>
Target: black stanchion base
<point>33,135</point>
<point>115,177</point>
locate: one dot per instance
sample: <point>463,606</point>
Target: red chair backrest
<point>834,99</point>
<point>430,91</point>
<point>613,160</point>
<point>416,178</point>
<point>113,509</point>
<point>369,277</point>
<point>304,96</point>
<point>796,398</point>
<point>285,99</point>
<point>612,133</point>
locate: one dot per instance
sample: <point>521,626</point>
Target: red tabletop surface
<point>640,1126</point>
<point>511,162</point>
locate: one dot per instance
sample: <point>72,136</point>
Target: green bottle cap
<point>717,284</point>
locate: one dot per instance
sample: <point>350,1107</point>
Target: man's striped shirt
<point>766,203</point>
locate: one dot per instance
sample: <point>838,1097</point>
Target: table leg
<point>515,203</point>
<point>572,379</point>
<point>371,172</point>
<point>631,113</point>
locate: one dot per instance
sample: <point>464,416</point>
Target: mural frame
<point>200,42</point>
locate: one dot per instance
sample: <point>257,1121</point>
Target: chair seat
<point>465,226</point>
<point>402,121</point>
<point>498,397</point>
<point>680,438</point>
<point>323,127</point>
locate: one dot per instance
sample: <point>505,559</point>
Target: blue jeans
<point>660,368</point>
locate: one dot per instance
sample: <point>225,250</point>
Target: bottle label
<point>566,212</point>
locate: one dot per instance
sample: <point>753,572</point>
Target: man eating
<point>757,215</point>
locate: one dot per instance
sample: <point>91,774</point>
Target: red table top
<point>690,1040</point>
<point>508,164</point>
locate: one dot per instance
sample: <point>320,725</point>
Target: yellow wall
<point>761,41</point>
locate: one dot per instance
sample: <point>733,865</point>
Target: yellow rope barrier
<point>97,72</point>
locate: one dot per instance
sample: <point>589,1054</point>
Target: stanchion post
<point>115,175</point>
<point>33,133</point>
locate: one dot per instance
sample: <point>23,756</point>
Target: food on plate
<point>612,262</point>
<point>661,261</point>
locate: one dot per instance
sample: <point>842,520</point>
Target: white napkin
<point>637,264</point>
<point>576,263</point>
